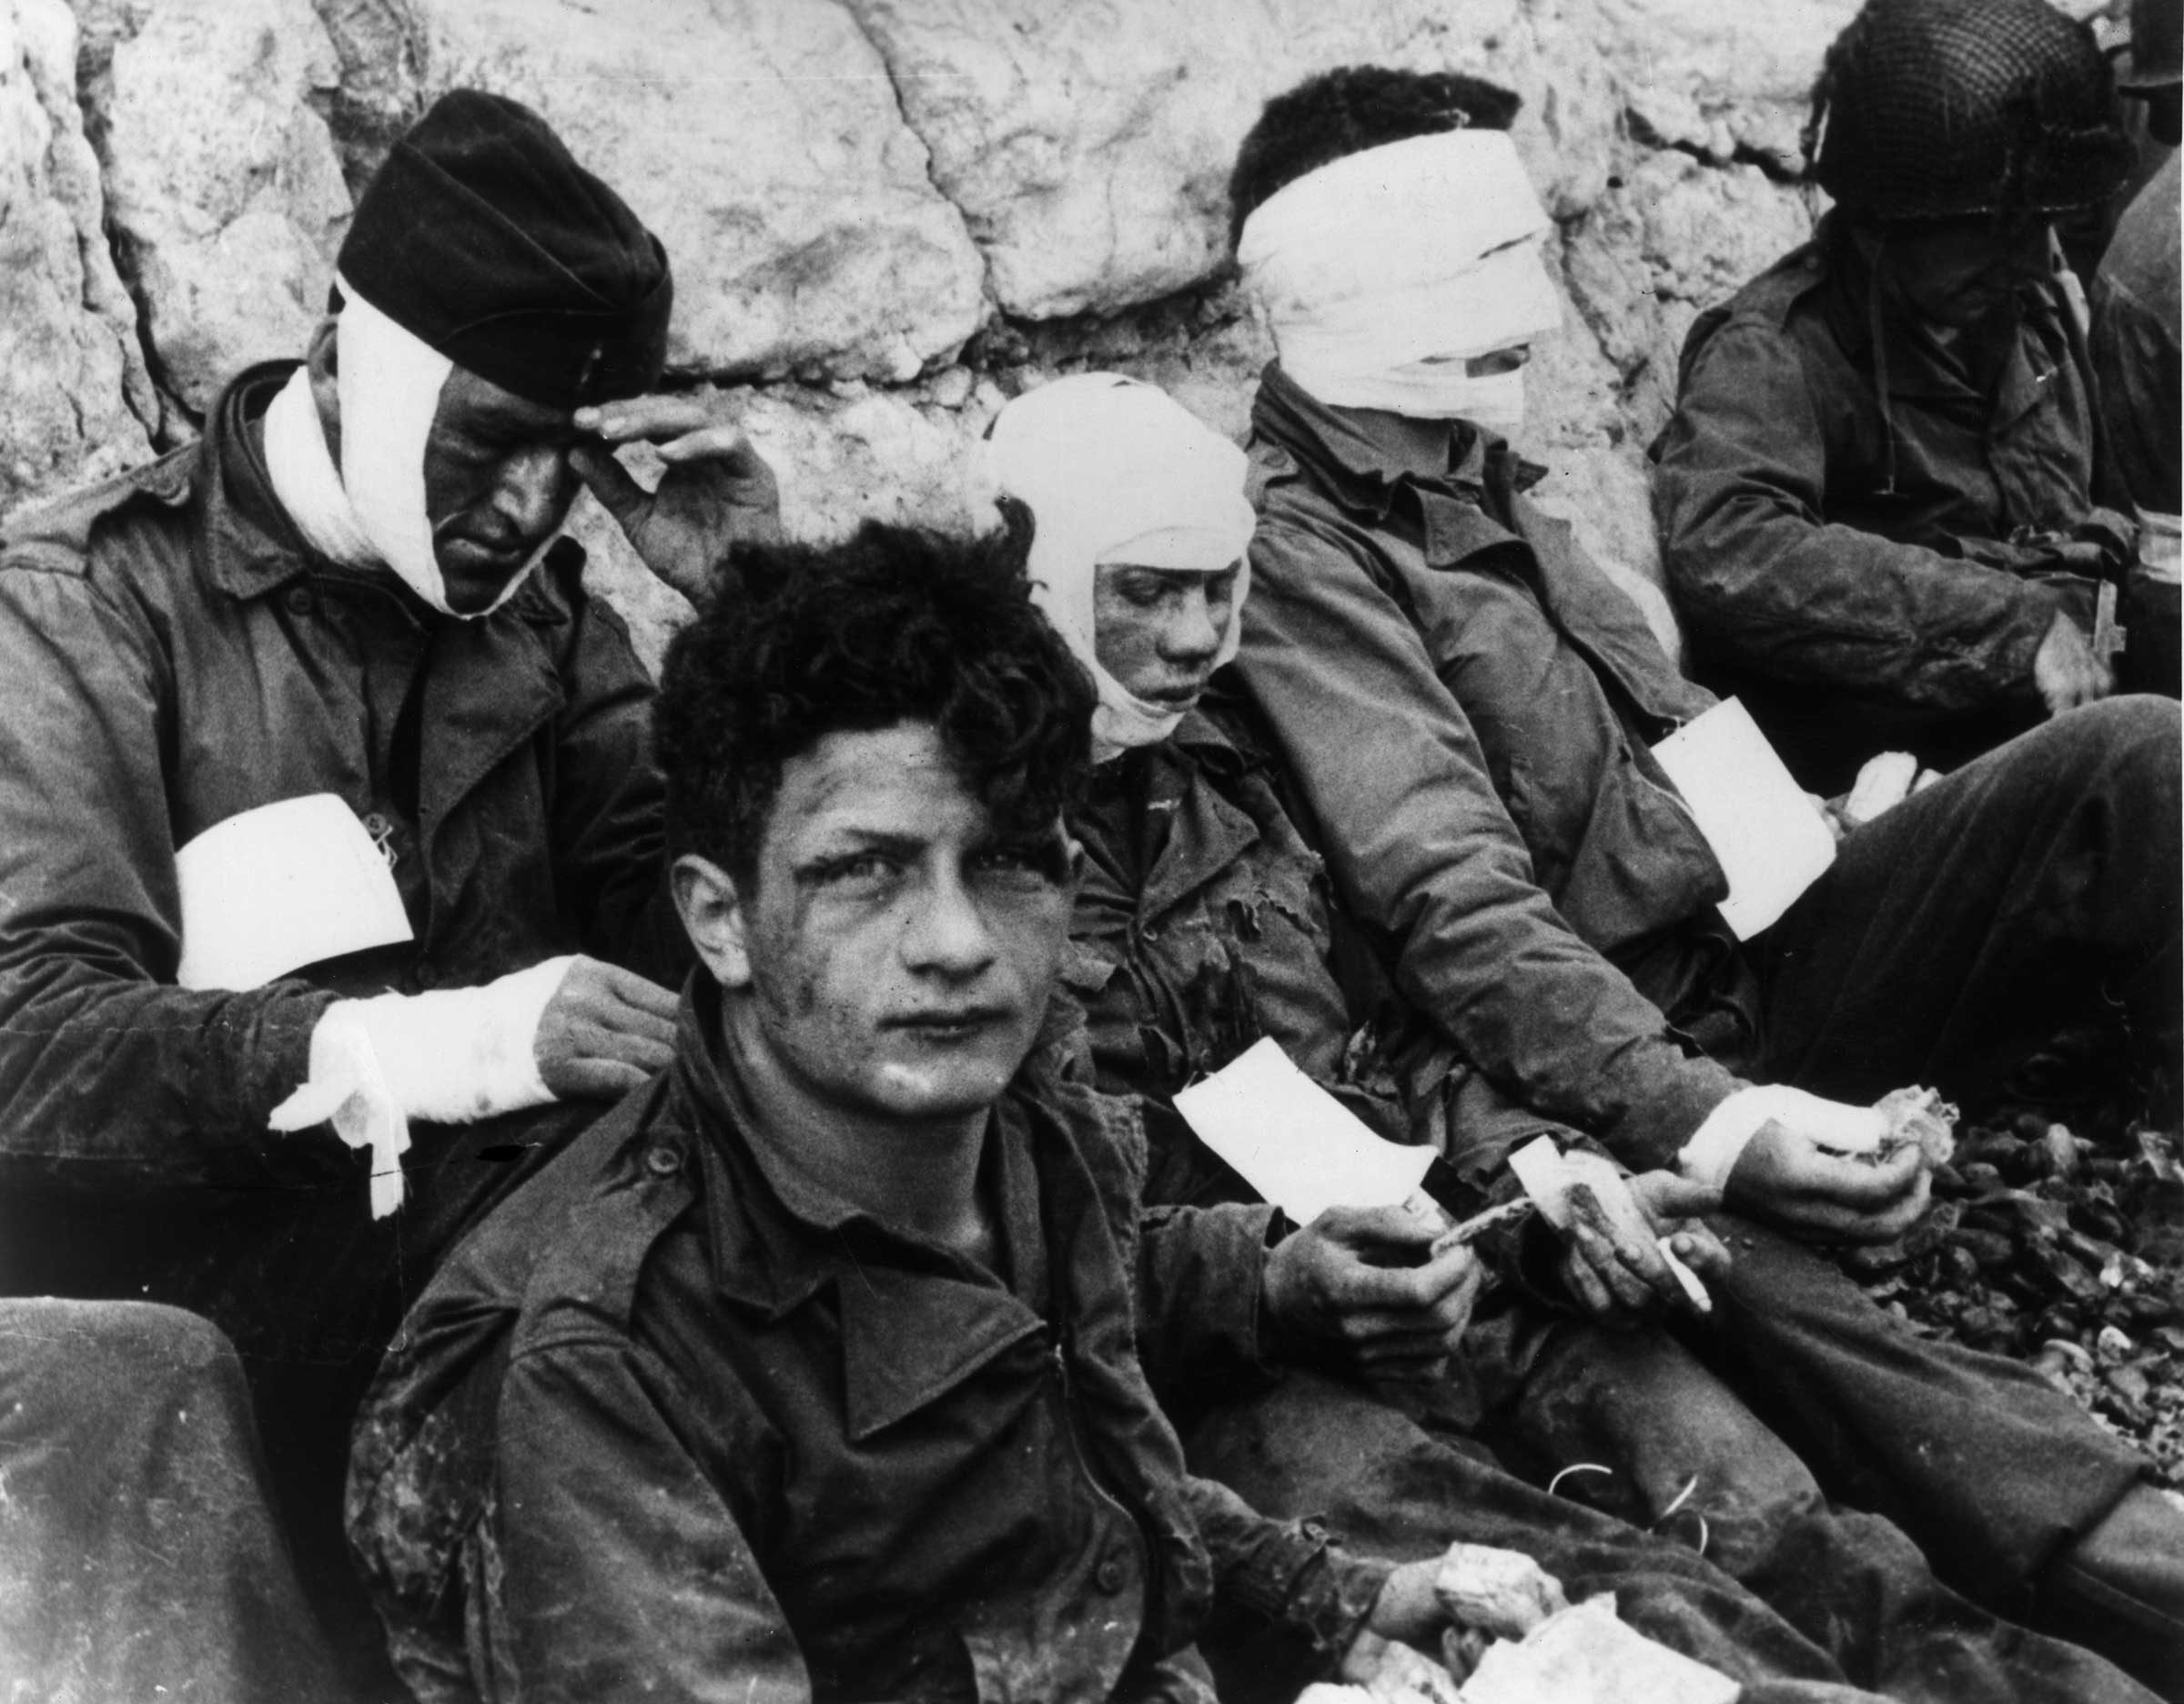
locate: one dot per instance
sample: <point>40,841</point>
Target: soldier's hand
<point>1613,1261</point>
<point>1390,1672</point>
<point>1360,1288</point>
<point>717,492</point>
<point>2065,670</point>
<point>1787,1180</point>
<point>604,1031</point>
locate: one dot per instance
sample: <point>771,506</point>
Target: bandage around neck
<point>1382,272</point>
<point>1115,471</point>
<point>372,511</point>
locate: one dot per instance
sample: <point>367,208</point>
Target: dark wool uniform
<point>1452,683</point>
<point>1204,922</point>
<point>2136,351</point>
<point>175,656</point>
<point>2139,363</point>
<point>675,1423</point>
<point>1864,542</point>
<point>130,1424</point>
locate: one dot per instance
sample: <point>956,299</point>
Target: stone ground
<point>2058,1237</point>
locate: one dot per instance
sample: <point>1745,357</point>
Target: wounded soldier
<point>1469,710</point>
<point>348,605</point>
<point>811,1370</point>
<point>1876,495</point>
<point>1203,921</point>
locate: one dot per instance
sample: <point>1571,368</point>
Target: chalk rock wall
<point>886,217</point>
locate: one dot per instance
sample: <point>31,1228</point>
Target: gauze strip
<point>305,480</point>
<point>390,381</point>
<point>453,1056</point>
<point>1381,272</point>
<point>1115,471</point>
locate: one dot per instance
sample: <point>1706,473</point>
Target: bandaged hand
<point>2066,672</point>
<point>717,488</point>
<point>1361,1290</point>
<point>1474,1591</point>
<point>1806,1165</point>
<point>457,1055</point>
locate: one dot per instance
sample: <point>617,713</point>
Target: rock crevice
<point>886,216</point>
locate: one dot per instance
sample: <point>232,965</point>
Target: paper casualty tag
<point>281,887</point>
<point>1771,843</point>
<point>1295,1143</point>
<point>1548,1175</point>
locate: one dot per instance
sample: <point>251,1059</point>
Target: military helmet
<point>1931,110</point>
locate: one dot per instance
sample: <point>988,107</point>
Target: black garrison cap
<point>482,235</point>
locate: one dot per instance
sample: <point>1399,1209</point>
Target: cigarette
<point>1511,1213</point>
<point>1686,1277</point>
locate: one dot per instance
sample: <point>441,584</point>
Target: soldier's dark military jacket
<point>673,1424</point>
<point>1865,546</point>
<point>171,654</point>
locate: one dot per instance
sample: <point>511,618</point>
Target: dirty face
<point>498,483</point>
<point>1159,630</point>
<point>899,946</point>
<point>1960,273</point>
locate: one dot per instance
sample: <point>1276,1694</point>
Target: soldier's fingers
<point>643,419</point>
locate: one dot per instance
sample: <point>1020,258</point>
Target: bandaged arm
<point>450,1056</point>
<point>1718,1143</point>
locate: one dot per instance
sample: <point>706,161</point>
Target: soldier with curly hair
<point>812,1371</point>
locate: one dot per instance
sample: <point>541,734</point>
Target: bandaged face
<point>456,483</point>
<point>1160,631</point>
<point>1138,556</point>
<point>1486,390</point>
<point>1408,277</point>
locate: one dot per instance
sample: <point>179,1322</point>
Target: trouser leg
<point>1319,1447</point>
<point>2120,1588</point>
<point>139,1556</point>
<point>1988,1467</point>
<point>1849,1585</point>
<point>1953,934</point>
<point>1691,1459</point>
<point>2014,1492</point>
<point>1967,925</point>
<point>1683,1453</point>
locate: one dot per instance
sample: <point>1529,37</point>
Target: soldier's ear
<point>321,358</point>
<point>712,909</point>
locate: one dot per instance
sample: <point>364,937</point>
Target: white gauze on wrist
<point>450,1056</point>
<point>1717,1144</point>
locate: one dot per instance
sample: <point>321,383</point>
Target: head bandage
<point>1114,471</point>
<point>373,510</point>
<point>1382,272</point>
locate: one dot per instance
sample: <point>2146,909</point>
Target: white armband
<point>450,1056</point>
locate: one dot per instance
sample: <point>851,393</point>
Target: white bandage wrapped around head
<point>372,511</point>
<point>1114,471</point>
<point>1382,272</point>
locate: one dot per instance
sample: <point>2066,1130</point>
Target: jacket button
<point>301,600</point>
<point>663,1161</point>
<point>426,975</point>
<point>1111,1574</point>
